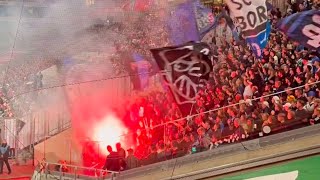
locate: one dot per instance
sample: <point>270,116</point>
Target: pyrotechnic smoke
<point>95,119</point>
<point>109,131</point>
<point>70,29</point>
<point>61,32</point>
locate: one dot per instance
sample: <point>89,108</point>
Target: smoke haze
<point>70,43</point>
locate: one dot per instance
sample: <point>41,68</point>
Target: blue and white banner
<point>252,18</point>
<point>303,27</point>
<point>259,42</point>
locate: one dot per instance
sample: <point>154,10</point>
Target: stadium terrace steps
<point>59,147</point>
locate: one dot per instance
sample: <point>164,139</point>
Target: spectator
<point>153,156</point>
<point>301,113</point>
<point>113,160</point>
<point>282,80</point>
<point>40,168</point>
<point>161,151</point>
<point>265,107</point>
<point>4,156</point>
<point>204,140</point>
<point>310,103</point>
<point>131,160</point>
<point>122,154</point>
<point>62,167</point>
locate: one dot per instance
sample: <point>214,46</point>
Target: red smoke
<point>96,122</point>
<point>108,131</point>
<point>138,5</point>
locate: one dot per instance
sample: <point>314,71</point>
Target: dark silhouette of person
<point>131,160</point>
<point>4,156</point>
<point>121,151</point>
<point>122,154</point>
<point>113,160</point>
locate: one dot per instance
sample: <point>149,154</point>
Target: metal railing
<point>244,148</point>
<point>23,142</point>
<point>55,170</point>
<point>63,171</point>
<point>52,132</point>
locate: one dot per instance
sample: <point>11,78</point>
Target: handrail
<point>13,135</point>
<point>64,126</point>
<point>82,167</point>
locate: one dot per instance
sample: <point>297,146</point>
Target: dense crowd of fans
<point>23,77</point>
<point>26,75</point>
<point>141,32</point>
<point>5,107</point>
<point>245,98</point>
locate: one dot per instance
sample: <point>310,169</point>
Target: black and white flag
<point>185,68</point>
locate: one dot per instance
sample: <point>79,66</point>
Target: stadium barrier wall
<point>59,147</point>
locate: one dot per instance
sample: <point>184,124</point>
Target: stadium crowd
<point>140,34</point>
<point>5,107</point>
<point>245,98</point>
<point>22,77</point>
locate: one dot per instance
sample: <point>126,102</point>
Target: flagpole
<point>196,23</point>
<point>164,133</point>
<point>195,18</point>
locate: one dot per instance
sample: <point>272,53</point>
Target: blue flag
<point>205,19</point>
<point>303,27</point>
<point>182,24</point>
<point>259,42</point>
<point>269,6</point>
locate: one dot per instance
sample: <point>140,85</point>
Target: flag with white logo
<point>186,69</point>
<point>303,27</point>
<point>251,17</point>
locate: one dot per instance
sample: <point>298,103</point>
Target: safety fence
<point>64,171</point>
